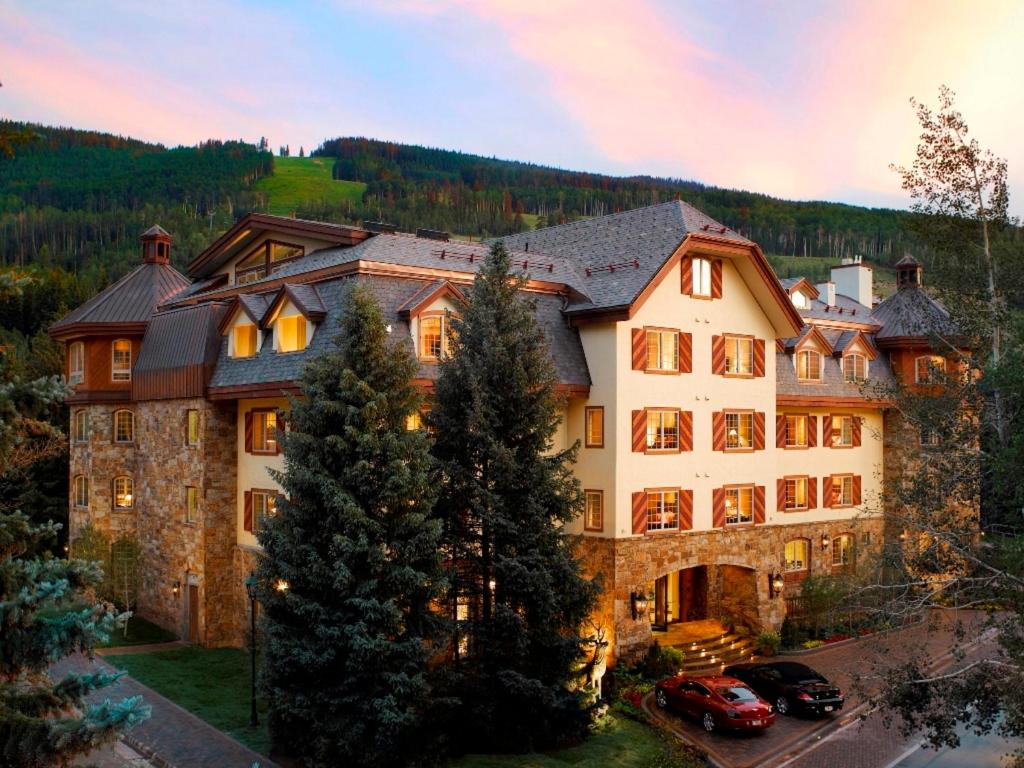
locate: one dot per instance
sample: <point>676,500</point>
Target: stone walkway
<point>172,737</point>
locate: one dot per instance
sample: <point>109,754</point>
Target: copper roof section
<point>179,353</point>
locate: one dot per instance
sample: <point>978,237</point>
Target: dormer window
<point>702,277</point>
<point>121,360</point>
<point>243,340</point>
<point>855,367</point>
<point>808,365</point>
<point>799,300</point>
<point>434,337</point>
<point>291,333</point>
<point>265,260</point>
<point>76,363</point>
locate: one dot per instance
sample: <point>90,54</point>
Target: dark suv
<point>791,687</point>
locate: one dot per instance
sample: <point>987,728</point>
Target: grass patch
<point>300,180</point>
<point>140,632</point>
<point>211,683</point>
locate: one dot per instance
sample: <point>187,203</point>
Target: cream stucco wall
<point>253,469</point>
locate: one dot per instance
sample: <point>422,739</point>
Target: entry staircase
<point>709,655</point>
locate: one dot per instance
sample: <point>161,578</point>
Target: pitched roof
<point>156,229</point>
<point>911,313</point>
<point>305,298</point>
<point>832,384</point>
<point>178,352</point>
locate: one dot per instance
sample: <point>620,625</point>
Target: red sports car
<point>715,701</point>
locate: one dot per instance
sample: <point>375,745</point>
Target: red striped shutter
<point>812,431</point>
<point>780,494</point>
<point>718,508</point>
<point>686,283</point>
<point>639,349</point>
<point>718,431</point>
<point>685,430</point>
<point>247,516</point>
<point>758,505</point>
<point>826,431</point>
<point>716,279</point>
<point>718,354</point>
<point>780,431</point>
<point>758,357</point>
<point>856,430</point>
<point>827,496</point>
<point>685,353</point>
<point>812,493</point>
<point>686,510</point>
<point>856,490</point>
<point>248,431</point>
<point>639,512</point>
<point>758,430</point>
<point>639,431</point>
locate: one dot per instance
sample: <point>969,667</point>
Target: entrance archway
<point>679,596</point>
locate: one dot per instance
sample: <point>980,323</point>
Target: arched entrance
<point>679,596</point>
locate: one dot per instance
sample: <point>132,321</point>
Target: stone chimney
<point>827,293</point>
<point>855,279</point>
<point>156,246</point>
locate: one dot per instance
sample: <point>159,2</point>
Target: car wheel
<point>708,722</point>
<point>661,699</point>
<point>782,705</point>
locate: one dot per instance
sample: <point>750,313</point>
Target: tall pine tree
<point>347,644</point>
<point>505,496</point>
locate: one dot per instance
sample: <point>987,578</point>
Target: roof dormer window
<point>290,333</point>
<point>799,300</point>
<point>434,336</point>
<point>244,340</point>
<point>808,365</point>
<point>855,367</point>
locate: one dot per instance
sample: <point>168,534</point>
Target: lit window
<point>122,360</point>
<point>926,368</point>
<point>244,338</point>
<point>595,427</point>
<point>796,493</point>
<point>291,333</point>
<point>124,426</point>
<point>796,555</point>
<point>842,431</point>
<point>414,421</point>
<point>796,431</point>
<point>434,337</point>
<point>264,432</point>
<point>808,365</point>
<point>842,490</point>
<point>739,431</point>
<point>663,430</point>
<point>593,519</point>
<point>123,492</point>
<point>252,267</point>
<point>739,355</point>
<point>192,427</point>
<point>855,367</point>
<point>264,506</point>
<point>662,510</point>
<point>81,491</point>
<point>842,549</point>
<point>701,277</point>
<point>281,252</point>
<point>76,363</point>
<point>799,300</point>
<point>81,426</point>
<point>191,504</point>
<point>739,505</point>
<point>663,350</point>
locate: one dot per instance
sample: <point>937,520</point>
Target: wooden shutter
<point>780,431</point>
<point>718,508</point>
<point>856,430</point>
<point>812,431</point>
<point>685,430</point>
<point>639,431</point>
<point>758,357</point>
<point>640,512</point>
<point>758,430</point>
<point>758,505</point>
<point>780,494</point>
<point>248,432</point>
<point>686,282</point>
<point>826,431</point>
<point>827,497</point>
<point>685,510</point>
<point>812,493</point>
<point>716,279</point>
<point>685,352</point>
<point>856,490</point>
<point>247,516</point>
<point>718,354</point>
<point>718,431</point>
<point>280,428</point>
<point>639,349</point>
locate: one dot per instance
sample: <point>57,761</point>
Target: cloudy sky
<point>800,99</point>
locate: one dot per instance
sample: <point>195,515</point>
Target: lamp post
<point>250,588</point>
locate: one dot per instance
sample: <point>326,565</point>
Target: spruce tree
<point>347,644</point>
<point>505,497</point>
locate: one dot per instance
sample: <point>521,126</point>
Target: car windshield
<point>736,693</point>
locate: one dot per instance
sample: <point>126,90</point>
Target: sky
<point>804,100</point>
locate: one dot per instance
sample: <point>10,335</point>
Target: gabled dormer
<point>809,351</point>
<point>429,312</point>
<point>855,352</point>
<point>292,317</point>
<point>801,292</point>
<point>241,325</point>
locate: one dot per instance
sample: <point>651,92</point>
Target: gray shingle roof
<point>832,383</point>
<point>912,312</point>
<point>852,310</point>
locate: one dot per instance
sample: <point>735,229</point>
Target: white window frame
<point>76,362</point>
<point>805,354</point>
<point>131,438</point>
<point>737,355</point>
<point>80,423</point>
<point>851,359</point>
<point>443,330</point>
<point>700,273</point>
<point>844,498</point>
<point>121,372</point>
<point>842,437</point>
<point>844,552</point>
<point>659,336</point>
<point>794,565</point>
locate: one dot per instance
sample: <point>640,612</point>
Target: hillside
<point>298,182</point>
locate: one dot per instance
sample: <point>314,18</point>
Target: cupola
<point>156,246</point>
<point>909,273</point>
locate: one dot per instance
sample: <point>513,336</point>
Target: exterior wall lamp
<point>176,588</point>
<point>640,603</point>
<point>825,541</point>
<point>776,584</point>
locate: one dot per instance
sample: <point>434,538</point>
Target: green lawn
<point>211,683</point>
<point>298,180</point>
<point>140,632</point>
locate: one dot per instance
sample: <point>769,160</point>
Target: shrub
<point>768,643</point>
<point>813,644</point>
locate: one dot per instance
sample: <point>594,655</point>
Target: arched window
<point>855,367</point>
<point>124,492</point>
<point>842,549</point>
<point>797,555</point>
<point>76,363</point>
<point>80,426</point>
<point>808,365</point>
<point>121,360</point>
<point>81,491</point>
<point>927,366</point>
<point>124,426</point>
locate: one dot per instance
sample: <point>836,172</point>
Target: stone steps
<point>710,655</point>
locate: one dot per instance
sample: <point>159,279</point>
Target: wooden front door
<point>193,613</point>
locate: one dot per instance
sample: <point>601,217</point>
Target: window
<point>808,365</point>
<point>264,432</point>
<point>81,426</point>
<point>243,339</point>
<point>191,503</point>
<point>414,421</point>
<point>76,363</point>
<point>123,492</point>
<point>434,341</point>
<point>842,549</point>
<point>192,427</point>
<point>701,277</point>
<point>799,299</point>
<point>865,538</point>
<point>121,369</point>
<point>662,430</point>
<point>663,510</point>
<point>124,426</point>
<point>267,258</point>
<point>739,505</point>
<point>264,505</point>
<point>796,493</point>
<point>926,368</point>
<point>282,252</point>
<point>593,516</point>
<point>842,431</point>
<point>929,438</point>
<point>855,367</point>
<point>291,333</point>
<point>81,491</point>
<point>663,351</point>
<point>796,431</point>
<point>739,355</point>
<point>594,427</point>
<point>739,431</point>
<point>796,555</point>
<point>842,490</point>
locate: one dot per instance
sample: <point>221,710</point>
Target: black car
<point>791,687</point>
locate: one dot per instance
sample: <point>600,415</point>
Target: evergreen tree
<point>347,644</point>
<point>506,495</point>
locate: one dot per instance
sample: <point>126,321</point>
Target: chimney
<point>827,293</point>
<point>156,246</point>
<point>855,279</point>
